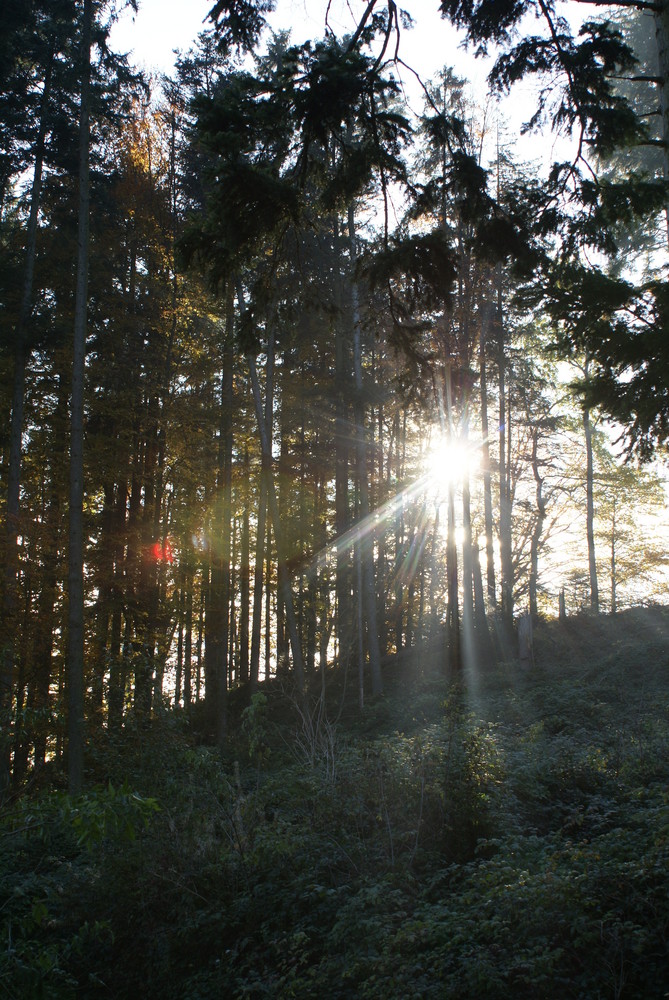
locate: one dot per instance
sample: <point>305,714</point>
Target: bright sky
<point>164,25</point>
<point>161,26</point>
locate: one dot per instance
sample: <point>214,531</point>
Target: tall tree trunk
<point>282,639</point>
<point>323,577</point>
<point>245,578</point>
<point>268,591</point>
<point>434,572</point>
<point>147,585</point>
<point>75,653</point>
<point>258,575</point>
<point>467,573</point>
<point>614,601</point>
<point>120,598</point>
<point>381,542</point>
<point>284,578</point>
<point>453,611</point>
<point>366,539</point>
<point>538,527</point>
<point>21,352</point>
<point>222,585</point>
<point>46,619</point>
<point>344,619</point>
<point>178,680</point>
<point>486,311</point>
<point>661,16</point>
<point>590,499</point>
<point>399,535</point>
<point>504,483</point>
<point>590,511</point>
<point>189,583</point>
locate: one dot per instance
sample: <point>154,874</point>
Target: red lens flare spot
<point>162,551</point>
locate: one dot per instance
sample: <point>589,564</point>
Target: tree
<point>75,656</point>
<point>33,40</point>
<point>618,321</point>
<point>629,501</point>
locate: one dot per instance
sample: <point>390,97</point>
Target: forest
<point>333,484</point>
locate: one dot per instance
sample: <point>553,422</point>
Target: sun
<point>451,460</point>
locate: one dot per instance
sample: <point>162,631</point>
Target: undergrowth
<point>505,837</point>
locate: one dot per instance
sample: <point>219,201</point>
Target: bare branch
<point>361,25</point>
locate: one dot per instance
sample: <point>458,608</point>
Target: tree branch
<point>638,4</point>
<point>361,25</point>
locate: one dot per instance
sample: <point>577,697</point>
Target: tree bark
<point>504,484</point>
<point>590,509</point>
<point>538,527</point>
<point>614,602</point>
<point>223,534</point>
<point>75,654</point>
<point>258,575</point>
<point>366,538</point>
<point>661,16</point>
<point>453,607</point>
<point>245,579</point>
<point>485,456</point>
<point>344,619</point>
<point>21,352</point>
<point>284,579</point>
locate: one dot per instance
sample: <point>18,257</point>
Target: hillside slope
<point>503,837</point>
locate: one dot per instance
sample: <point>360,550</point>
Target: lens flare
<point>451,460</point>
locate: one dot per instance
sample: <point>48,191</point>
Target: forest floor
<point>505,835</point>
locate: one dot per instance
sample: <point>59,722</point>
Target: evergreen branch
<point>638,4</point>
<point>639,79</point>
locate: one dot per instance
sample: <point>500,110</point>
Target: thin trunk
<point>614,603</point>
<point>258,575</point>
<point>224,533</point>
<point>268,594</point>
<point>381,558</point>
<point>485,457</point>
<point>590,509</point>
<point>115,695</point>
<point>344,616</point>
<point>479,602</point>
<point>538,527</point>
<point>245,580</point>
<point>21,353</point>
<point>323,579</point>
<point>147,586</point>
<point>399,537</point>
<point>453,612</point>
<point>180,647</point>
<point>467,557</point>
<point>366,540</point>
<point>435,572</point>
<point>504,491</point>
<point>282,640</point>
<point>189,583</point>
<point>284,579</point>
<point>104,604</point>
<point>661,16</point>
<point>45,623</point>
<point>232,629</point>
<point>75,653</point>
<point>204,589</point>
<point>360,627</point>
